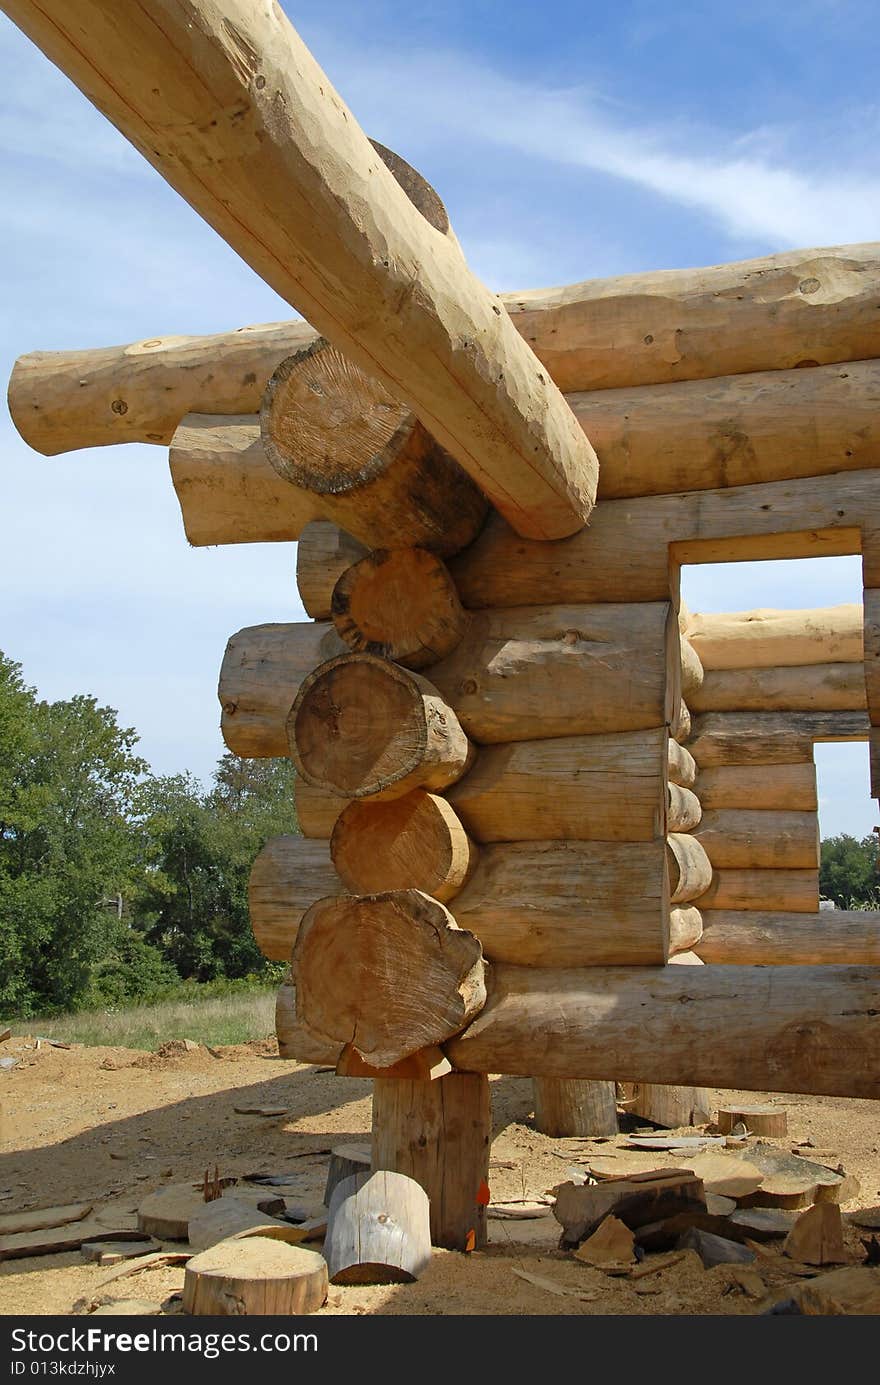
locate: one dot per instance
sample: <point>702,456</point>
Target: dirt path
<point>112,1124</point>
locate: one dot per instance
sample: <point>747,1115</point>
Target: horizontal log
<point>628,544</point>
<point>534,672</point>
<point>684,810</point>
<point>323,553</point>
<point>293,1042</point>
<point>411,843</point>
<point>782,891</point>
<point>534,903</point>
<point>400,603</point>
<point>817,687</point>
<point>286,879</point>
<point>738,430</point>
<point>691,668</point>
<point>282,171</point>
<point>316,809</point>
<point>226,488</point>
<point>681,724</point>
<point>779,639</point>
<point>741,937</point>
<point>365,728</point>
<point>760,839</point>
<point>682,765</point>
<point>770,738</point>
<point>872,652</point>
<point>791,787</point>
<point>690,870</point>
<point>685,930</point>
<point>795,1029</point>
<point>262,670</point>
<point>636,329</point>
<point>569,904</point>
<point>606,788</point>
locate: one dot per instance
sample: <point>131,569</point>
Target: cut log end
<point>413,842</point>
<point>362,727</point>
<point>401,604</point>
<point>254,1277</point>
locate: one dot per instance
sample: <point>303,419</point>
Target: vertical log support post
<point>439,1133</point>
<point>575,1106</point>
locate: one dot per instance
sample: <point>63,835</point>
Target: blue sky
<point>567,140</point>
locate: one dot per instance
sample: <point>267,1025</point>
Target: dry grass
<point>223,1019</point>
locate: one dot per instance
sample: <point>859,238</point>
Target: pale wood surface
<point>762,938</point>
<point>770,738</point>
<point>438,1133</point>
<point>323,553</point>
<point>226,488</point>
<point>414,842</point>
<point>567,904</point>
<point>378,1230</point>
<point>796,1029</point>
<point>316,809</point>
<point>767,638</point>
<point>286,879</point>
<point>280,168</point>
<point>690,870</point>
<point>339,435</point>
<point>682,767</point>
<point>263,667</point>
<point>608,787</point>
<point>759,1119</point>
<point>775,891</point>
<point>739,430</point>
<point>572,1106</point>
<point>681,723</point>
<point>293,1041</point>
<point>389,973</point>
<point>400,603</point>
<point>691,668</point>
<point>760,838</point>
<point>672,1107</point>
<point>363,727</point>
<point>254,1277</point>
<point>684,811</point>
<point>817,687</point>
<point>872,652</point>
<point>346,1161</point>
<point>791,787</point>
<point>685,931</point>
<point>635,329</point>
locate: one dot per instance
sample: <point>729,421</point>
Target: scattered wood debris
<point>542,1281</point>
<point>610,1248</point>
<point>40,1218</point>
<point>715,1250</point>
<point>817,1236</point>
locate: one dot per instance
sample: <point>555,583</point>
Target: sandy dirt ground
<point>110,1125</point>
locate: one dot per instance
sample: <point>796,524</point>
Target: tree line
<point>115,883</point>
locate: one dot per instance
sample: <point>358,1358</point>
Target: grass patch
<point>232,1018</point>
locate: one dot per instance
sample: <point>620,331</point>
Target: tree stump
<point>378,1230</point>
<point>759,1119</point>
<point>574,1106</point>
<point>254,1277</point>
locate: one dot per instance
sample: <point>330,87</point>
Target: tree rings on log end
<point>401,604</point>
<point>413,842</point>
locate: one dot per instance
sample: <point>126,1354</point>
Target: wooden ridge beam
<point>227,103</point>
<point>774,313</point>
<point>795,1029</point>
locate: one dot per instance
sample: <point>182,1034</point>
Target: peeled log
<point>287,877</point>
<point>317,810</point>
<point>685,930</point>
<point>281,170</point>
<point>377,1230</point>
<point>323,553</point>
<point>389,974</point>
<point>682,766</point>
<point>872,652</point>
<point>737,430</point>
<point>362,727</point>
<point>415,842</point>
<point>570,1106</point>
<point>541,671</point>
<point>770,738</point>
<point>635,329</point>
<point>755,937</point>
<point>778,639</point>
<point>690,870</point>
<point>680,726</point>
<point>262,669</point>
<point>777,1029</point>
<point>684,809</point>
<point>626,546</point>
<point>817,687</point>
<point>293,1042</point>
<point>759,786</point>
<point>569,904</point>
<point>606,788</point>
<point>781,891</point>
<point>760,839</point>
<point>254,1277</point>
<point>691,668</point>
<point>227,491</point>
<point>438,1133</point>
<point>399,603</point>
<point>341,437</point>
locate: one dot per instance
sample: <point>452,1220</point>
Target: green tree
<point>68,775</point>
<point>848,872</point>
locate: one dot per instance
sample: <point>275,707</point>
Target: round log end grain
<point>400,603</point>
<point>255,1277</point>
<point>413,842</point>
